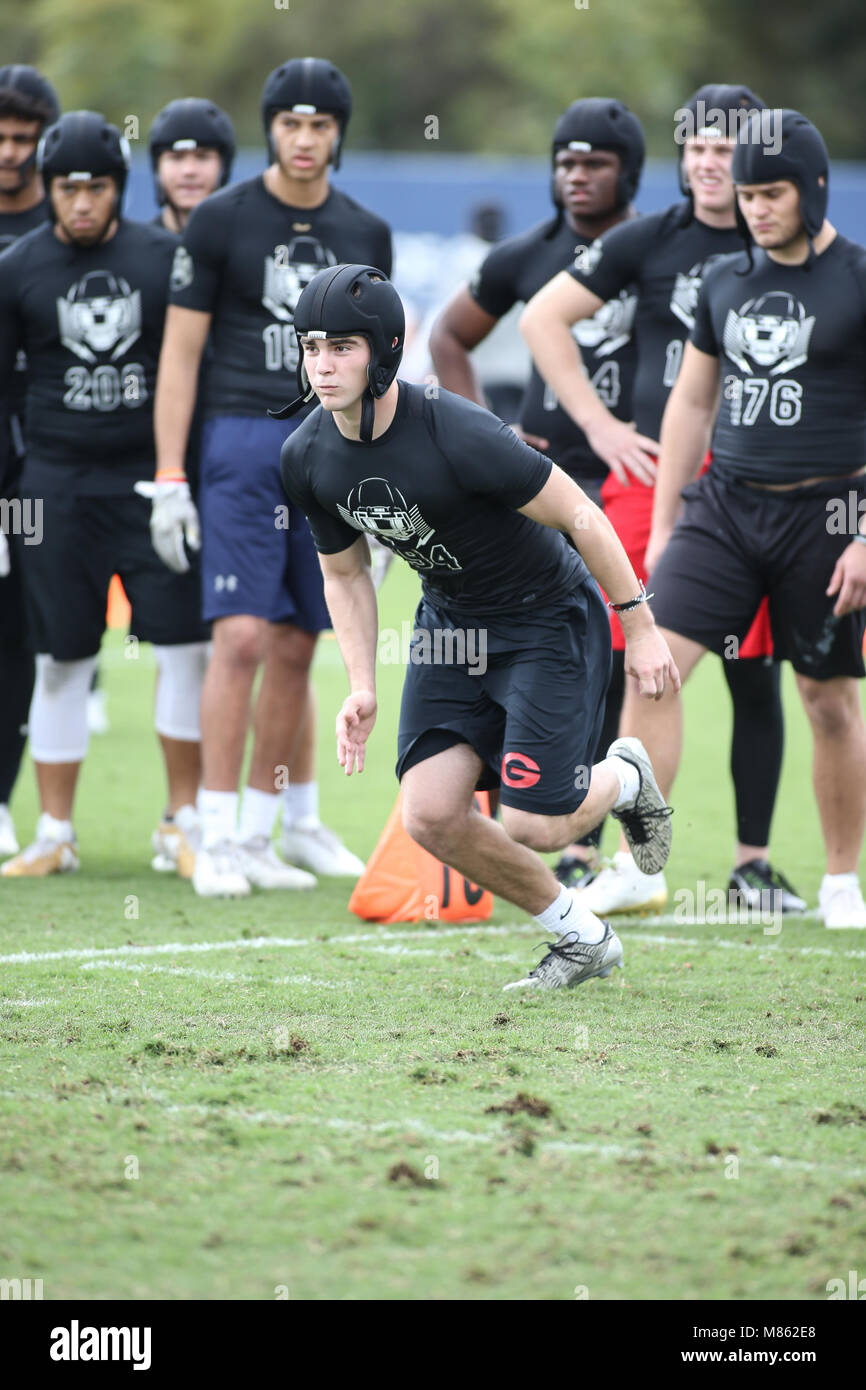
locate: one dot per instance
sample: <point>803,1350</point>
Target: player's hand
<point>354,726</point>
<point>535,441</point>
<point>655,545</point>
<point>173,520</point>
<point>849,580</point>
<point>648,659</point>
<point>623,450</point>
<point>5,563</point>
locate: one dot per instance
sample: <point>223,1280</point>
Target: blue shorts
<point>252,563</point>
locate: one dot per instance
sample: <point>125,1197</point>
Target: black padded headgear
<point>31,97</point>
<point>603,123</point>
<point>83,142</point>
<point>802,157</point>
<point>729,98</point>
<point>191,123</point>
<point>351,301</point>
<point>308,85</point>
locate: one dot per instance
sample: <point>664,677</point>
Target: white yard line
<point>418,936</point>
<point>462,1136</point>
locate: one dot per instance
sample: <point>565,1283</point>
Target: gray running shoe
<point>570,961</point>
<point>647,824</point>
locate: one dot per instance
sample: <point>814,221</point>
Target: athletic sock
<point>259,812</point>
<point>566,915</point>
<point>301,802</point>
<point>629,781</point>
<point>219,814</point>
<point>49,828</point>
<point>849,880</point>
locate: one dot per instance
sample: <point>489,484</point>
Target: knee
<point>541,833</point>
<point>239,642</point>
<point>292,649</point>
<point>833,707</point>
<point>433,828</point>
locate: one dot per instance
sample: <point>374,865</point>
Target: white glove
<point>173,519</point>
<point>5,565</point>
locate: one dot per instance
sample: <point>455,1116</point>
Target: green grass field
<point>246,1100</point>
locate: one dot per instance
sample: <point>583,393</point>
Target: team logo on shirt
<point>376,506</point>
<point>99,315</point>
<point>610,327</point>
<point>773,330</point>
<point>182,270</point>
<point>684,298</point>
<point>586,258</point>
<point>288,272</point>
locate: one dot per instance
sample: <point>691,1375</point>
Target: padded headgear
<point>307,85</point>
<point>191,123</point>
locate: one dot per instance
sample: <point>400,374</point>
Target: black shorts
<point>533,714</point>
<point>84,541</point>
<point>735,544</point>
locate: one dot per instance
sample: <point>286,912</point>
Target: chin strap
<point>293,406</point>
<point>368,417</point>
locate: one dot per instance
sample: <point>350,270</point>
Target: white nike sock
<point>849,880</point>
<point>259,812</point>
<point>301,802</point>
<point>629,781</point>
<point>566,914</point>
<point>219,814</point>
<point>49,828</point>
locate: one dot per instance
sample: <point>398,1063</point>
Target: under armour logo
<point>226,581</point>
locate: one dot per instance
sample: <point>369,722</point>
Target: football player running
<point>665,256</point>
<point>85,297</point>
<point>776,366</point>
<point>28,103</point>
<point>508,548</point>
<point>247,252</point>
<point>597,156</point>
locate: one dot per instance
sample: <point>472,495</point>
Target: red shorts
<point>629,509</point>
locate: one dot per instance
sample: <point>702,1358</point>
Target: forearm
<point>352,605</point>
<point>558,359</point>
<point>454,368</point>
<point>685,437</point>
<point>174,405</point>
<point>603,552</point>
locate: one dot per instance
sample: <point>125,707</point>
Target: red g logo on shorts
<point>519,770</point>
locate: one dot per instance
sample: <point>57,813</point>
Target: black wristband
<point>643,597</point>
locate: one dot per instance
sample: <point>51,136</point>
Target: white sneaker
<point>176,843</point>
<point>840,902</point>
<point>97,712</point>
<point>263,866</point>
<point>621,887</point>
<point>314,846</point>
<point>8,839</point>
<point>54,851</point>
<point>218,872</point>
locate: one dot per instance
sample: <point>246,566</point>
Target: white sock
<point>301,802</point>
<point>259,811</point>
<point>219,814</point>
<point>566,914</point>
<point>849,880</point>
<point>49,828</point>
<point>629,781</point>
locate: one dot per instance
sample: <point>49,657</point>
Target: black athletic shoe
<point>758,886</point>
<point>572,872</point>
<point>646,824</point>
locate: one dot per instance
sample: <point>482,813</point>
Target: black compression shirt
<point>90,321</point>
<point>791,343</point>
<point>664,257</point>
<point>512,273</point>
<point>440,487</point>
<point>245,257</point>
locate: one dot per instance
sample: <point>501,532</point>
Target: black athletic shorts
<point>734,544</point>
<point>84,541</point>
<point>532,710</point>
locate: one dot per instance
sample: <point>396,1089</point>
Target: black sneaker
<point>572,872</point>
<point>570,961</point>
<point>646,824</point>
<point>757,886</point>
